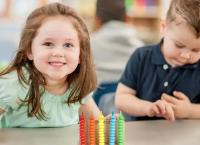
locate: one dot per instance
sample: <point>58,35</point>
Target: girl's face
<point>180,46</point>
<point>56,49</point>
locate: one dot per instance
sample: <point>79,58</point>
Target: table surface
<point>181,132</point>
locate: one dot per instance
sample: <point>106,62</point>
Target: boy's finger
<point>169,99</point>
<point>161,107</point>
<point>170,113</point>
<point>156,110</point>
<point>180,95</point>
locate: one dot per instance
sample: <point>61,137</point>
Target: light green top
<point>58,112</point>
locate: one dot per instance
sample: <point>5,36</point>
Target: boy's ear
<point>162,26</point>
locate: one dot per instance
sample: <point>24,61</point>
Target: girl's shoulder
<point>12,78</point>
<point>11,91</point>
<point>8,90</point>
<point>10,84</point>
<point>9,78</point>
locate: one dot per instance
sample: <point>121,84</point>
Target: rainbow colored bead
<point>101,132</point>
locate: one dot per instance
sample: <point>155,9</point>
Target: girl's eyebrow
<point>67,39</point>
<point>48,38</point>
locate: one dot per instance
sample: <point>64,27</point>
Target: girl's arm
<point>90,108</point>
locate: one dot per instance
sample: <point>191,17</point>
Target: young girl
<point>46,84</point>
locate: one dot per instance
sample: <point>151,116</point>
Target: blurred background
<point>145,14</point>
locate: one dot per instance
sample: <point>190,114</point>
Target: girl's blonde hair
<point>82,80</point>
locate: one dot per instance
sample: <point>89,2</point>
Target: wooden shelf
<point>144,8</point>
<point>146,14</point>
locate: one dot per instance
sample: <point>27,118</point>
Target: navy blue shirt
<point>150,75</point>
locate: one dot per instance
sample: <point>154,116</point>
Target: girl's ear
<point>29,55</point>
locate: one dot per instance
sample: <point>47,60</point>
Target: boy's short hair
<point>108,10</point>
<point>188,10</point>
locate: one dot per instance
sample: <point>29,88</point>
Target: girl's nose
<point>57,52</point>
<point>58,55</point>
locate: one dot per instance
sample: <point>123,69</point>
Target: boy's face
<point>180,45</point>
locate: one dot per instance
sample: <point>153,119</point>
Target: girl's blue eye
<point>68,45</point>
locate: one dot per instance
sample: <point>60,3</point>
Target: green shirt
<point>58,112</point>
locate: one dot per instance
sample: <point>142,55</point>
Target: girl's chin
<point>56,77</point>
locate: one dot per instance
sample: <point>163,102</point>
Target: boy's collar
<point>158,58</point>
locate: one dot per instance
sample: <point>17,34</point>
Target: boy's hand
<point>180,103</point>
<point>161,108</point>
<point>107,117</point>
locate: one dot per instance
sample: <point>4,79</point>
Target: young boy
<point>163,80</point>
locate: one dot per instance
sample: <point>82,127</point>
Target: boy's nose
<point>185,55</point>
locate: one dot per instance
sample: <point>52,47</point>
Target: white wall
<point>164,7</point>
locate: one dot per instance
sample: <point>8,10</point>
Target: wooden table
<point>40,136</point>
<point>181,132</point>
